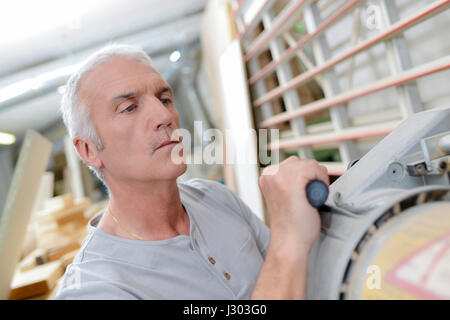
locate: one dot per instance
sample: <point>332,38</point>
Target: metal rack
<point>267,32</point>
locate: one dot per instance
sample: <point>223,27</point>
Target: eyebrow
<point>122,97</point>
<point>164,90</point>
<point>128,95</point>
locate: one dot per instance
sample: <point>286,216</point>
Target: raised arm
<point>294,225</point>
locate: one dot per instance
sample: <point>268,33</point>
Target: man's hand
<point>294,224</point>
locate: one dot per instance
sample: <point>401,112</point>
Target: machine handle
<point>317,193</point>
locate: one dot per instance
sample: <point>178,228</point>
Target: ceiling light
<point>175,56</point>
<point>7,138</point>
<point>61,89</point>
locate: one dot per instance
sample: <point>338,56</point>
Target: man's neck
<point>153,211</point>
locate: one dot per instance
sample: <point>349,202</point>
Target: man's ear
<point>87,151</point>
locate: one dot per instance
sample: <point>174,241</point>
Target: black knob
<point>317,193</point>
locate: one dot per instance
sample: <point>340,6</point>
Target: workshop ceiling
<point>49,37</point>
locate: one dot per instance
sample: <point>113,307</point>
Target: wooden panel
<point>20,201</point>
<point>238,120</point>
<point>216,35</point>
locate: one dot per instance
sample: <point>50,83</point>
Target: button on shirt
<point>220,259</point>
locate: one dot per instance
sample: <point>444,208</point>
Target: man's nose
<point>164,122</point>
<point>160,116</point>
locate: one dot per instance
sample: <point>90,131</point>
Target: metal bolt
<point>337,197</point>
<point>420,169</point>
<point>395,171</point>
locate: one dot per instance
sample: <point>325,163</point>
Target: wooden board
<point>29,243</point>
<point>68,258</point>
<point>58,252</point>
<point>59,202</point>
<point>95,209</point>
<point>35,258</point>
<point>19,205</point>
<point>37,281</point>
<point>52,294</point>
<point>61,215</point>
<point>238,120</point>
<point>216,35</point>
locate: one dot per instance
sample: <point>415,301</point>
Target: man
<point>159,239</point>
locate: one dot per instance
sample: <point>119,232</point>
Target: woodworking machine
<point>386,222</point>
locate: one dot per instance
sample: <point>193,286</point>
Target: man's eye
<point>130,108</point>
<point>166,100</point>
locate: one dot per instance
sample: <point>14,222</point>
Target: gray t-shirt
<point>229,243</point>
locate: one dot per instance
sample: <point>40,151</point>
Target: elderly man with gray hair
<point>160,239</point>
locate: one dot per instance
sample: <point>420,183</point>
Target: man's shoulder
<point>205,187</point>
<point>203,184</point>
<point>94,272</point>
<point>211,192</point>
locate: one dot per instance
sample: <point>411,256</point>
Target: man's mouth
<point>167,143</point>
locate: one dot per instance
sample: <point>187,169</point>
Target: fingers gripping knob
<point>317,193</point>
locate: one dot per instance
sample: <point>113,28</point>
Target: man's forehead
<point>119,75</point>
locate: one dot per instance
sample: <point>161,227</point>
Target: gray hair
<point>75,112</point>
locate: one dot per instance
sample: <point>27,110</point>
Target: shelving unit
<point>294,37</point>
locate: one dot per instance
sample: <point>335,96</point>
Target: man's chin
<point>182,167</point>
<point>175,170</point>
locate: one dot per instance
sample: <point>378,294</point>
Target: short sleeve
<point>220,192</point>
<point>83,282</point>
<point>94,290</point>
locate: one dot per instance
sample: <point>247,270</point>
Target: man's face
<point>133,112</point>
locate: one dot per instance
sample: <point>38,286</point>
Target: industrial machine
<point>386,222</point>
